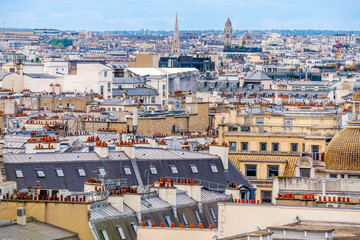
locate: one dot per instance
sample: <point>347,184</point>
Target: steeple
<point>228,34</point>
<point>176,39</point>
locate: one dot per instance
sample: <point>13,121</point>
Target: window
<point>101,171</point>
<point>273,171</point>
<point>198,216</point>
<point>19,173</point>
<point>105,73</point>
<point>127,170</point>
<point>135,227</point>
<point>315,148</point>
<point>101,90</point>
<point>305,172</point>
<point>40,173</point>
<point>59,172</point>
<point>121,232</point>
<point>250,170</point>
<point>105,235</point>
<point>194,168</point>
<point>81,172</point>
<point>168,220</point>
<point>232,146</point>
<point>148,222</point>
<point>294,147</point>
<point>333,175</point>
<point>288,123</point>
<point>213,168</point>
<point>184,218</point>
<point>244,147</point>
<point>152,100</point>
<point>153,170</point>
<point>213,214</point>
<point>173,169</point>
<point>263,147</point>
<point>266,196</point>
<point>275,147</point>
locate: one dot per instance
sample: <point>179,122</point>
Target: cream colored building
<point>266,145</point>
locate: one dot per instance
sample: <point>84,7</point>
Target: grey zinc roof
<point>153,203</point>
<point>211,196</point>
<point>256,76</point>
<point>33,75</point>
<point>4,74</point>
<point>182,199</point>
<point>117,102</point>
<point>128,80</point>
<point>49,157</point>
<point>35,230</point>
<point>162,154</point>
<point>101,211</point>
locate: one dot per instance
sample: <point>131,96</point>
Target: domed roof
<point>343,152</point>
<point>356,95</point>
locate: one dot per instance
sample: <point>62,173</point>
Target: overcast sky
<point>193,14</point>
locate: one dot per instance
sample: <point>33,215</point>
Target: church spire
<point>228,34</point>
<point>176,39</point>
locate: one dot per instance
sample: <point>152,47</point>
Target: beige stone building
<point>266,145</point>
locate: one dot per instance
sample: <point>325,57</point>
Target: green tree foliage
<point>61,43</point>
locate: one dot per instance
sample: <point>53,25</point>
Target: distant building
<point>176,40</point>
<point>203,64</point>
<point>228,34</point>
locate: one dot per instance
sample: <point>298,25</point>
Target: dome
<point>343,152</point>
<point>356,95</point>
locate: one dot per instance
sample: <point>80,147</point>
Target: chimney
<point>21,216</point>
<point>192,189</point>
<point>168,194</point>
<point>133,201</point>
<point>135,119</point>
<point>117,201</point>
<point>101,149</point>
<point>233,191</point>
<point>127,148</point>
<point>222,151</point>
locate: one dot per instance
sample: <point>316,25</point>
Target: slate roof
<point>161,159</point>
<point>128,80</point>
<point>141,91</point>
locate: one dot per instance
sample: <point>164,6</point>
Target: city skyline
<point>193,15</point>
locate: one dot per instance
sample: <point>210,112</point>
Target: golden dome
<point>343,152</point>
<point>356,95</point>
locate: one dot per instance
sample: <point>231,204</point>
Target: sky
<point>103,15</point>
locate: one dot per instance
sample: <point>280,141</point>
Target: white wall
<point>240,218</point>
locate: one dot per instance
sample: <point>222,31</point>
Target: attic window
<point>40,173</point>
<point>153,170</point>
<point>135,227</point>
<point>173,169</point>
<point>168,220</point>
<point>59,172</point>
<point>81,172</point>
<point>198,216</point>
<point>213,168</point>
<point>121,232</point>
<point>184,218</point>
<point>19,173</point>
<point>127,170</point>
<point>102,171</point>
<point>213,213</point>
<point>148,222</point>
<point>194,168</point>
<point>105,235</point>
